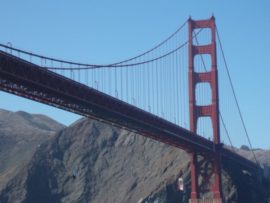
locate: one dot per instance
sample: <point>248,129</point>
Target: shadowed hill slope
<point>20,135</point>
<point>113,165</point>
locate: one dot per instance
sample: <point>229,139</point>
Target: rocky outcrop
<point>94,162</point>
<point>21,134</point>
<point>111,165</point>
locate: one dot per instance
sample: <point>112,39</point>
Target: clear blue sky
<point>101,31</point>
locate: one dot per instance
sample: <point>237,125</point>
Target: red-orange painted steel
<point>28,80</point>
<point>211,111</point>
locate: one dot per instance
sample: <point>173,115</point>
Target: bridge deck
<point>31,81</point>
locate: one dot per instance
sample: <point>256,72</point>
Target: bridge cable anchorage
<point>235,98</point>
<point>220,114</point>
<point>9,46</point>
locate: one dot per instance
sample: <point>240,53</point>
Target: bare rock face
<point>94,162</point>
<point>21,134</point>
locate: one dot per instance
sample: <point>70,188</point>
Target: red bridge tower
<point>212,174</point>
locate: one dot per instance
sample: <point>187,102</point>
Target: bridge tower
<point>213,177</point>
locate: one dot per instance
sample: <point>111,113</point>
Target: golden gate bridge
<point>168,93</point>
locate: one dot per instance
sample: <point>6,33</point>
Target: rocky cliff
<point>94,162</point>
<point>111,165</point>
<point>20,135</point>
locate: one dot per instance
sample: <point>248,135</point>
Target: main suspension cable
<point>235,98</point>
<point>123,65</point>
<point>96,65</point>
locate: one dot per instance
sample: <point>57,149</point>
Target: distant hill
<point>94,162</point>
<point>262,156</point>
<point>20,135</point>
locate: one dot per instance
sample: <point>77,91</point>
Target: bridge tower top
<point>211,77</point>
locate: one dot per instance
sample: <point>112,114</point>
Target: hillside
<point>123,166</point>
<point>20,135</point>
<point>262,156</point>
<point>113,165</point>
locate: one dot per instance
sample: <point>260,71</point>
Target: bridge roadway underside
<point>31,81</point>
